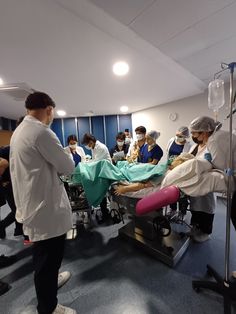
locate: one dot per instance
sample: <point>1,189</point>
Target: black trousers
<point>203,221</point>
<point>103,206</point>
<point>47,258</point>
<point>233,209</point>
<point>10,218</point>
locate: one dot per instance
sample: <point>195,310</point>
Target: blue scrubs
<point>76,158</point>
<point>175,149</point>
<point>147,156</point>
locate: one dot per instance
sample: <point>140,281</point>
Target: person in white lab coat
<point>213,145</point>
<point>74,149</point>
<point>99,152</point>
<point>37,159</point>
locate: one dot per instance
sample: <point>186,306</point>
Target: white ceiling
<point>67,47</point>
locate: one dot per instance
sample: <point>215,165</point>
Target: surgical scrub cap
<point>184,131</point>
<point>203,124</point>
<point>154,134</point>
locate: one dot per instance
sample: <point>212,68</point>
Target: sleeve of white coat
<point>218,147</point>
<point>169,144</point>
<point>101,153</point>
<point>51,149</point>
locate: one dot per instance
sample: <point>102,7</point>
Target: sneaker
<point>61,309</point>
<point>63,278</point>
<point>4,287</point>
<point>201,237</point>
<point>7,260</point>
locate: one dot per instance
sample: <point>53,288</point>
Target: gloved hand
<point>208,157</point>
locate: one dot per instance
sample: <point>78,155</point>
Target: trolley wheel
<point>162,226</point>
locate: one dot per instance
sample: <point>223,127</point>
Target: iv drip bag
<point>216,95</point>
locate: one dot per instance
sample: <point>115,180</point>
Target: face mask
<point>120,143</point>
<point>127,140</point>
<point>73,146</point>
<point>88,147</point>
<point>196,140</point>
<point>179,139</point>
<point>139,137</point>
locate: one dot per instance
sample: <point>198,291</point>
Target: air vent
<point>18,91</point>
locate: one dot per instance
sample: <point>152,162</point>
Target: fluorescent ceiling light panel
<point>120,68</point>
<point>61,113</point>
<point>124,109</point>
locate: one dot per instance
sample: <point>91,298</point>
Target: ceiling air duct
<point>17,91</point>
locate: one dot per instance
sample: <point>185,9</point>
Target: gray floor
<point>111,276</point>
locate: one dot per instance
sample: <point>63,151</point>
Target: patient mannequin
<point>133,187</point>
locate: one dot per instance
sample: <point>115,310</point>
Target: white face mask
<point>73,146</point>
<point>179,139</point>
<point>139,137</point>
<point>127,140</point>
<point>120,143</point>
<point>88,147</point>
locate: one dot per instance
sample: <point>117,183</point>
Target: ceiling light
<point>124,108</point>
<point>120,68</point>
<point>9,87</point>
<point>61,113</point>
<point>1,81</point>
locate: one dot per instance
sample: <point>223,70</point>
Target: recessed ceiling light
<point>61,113</point>
<point>120,68</point>
<point>1,81</point>
<point>124,108</point>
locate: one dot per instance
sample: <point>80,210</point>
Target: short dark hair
<point>87,138</point>
<point>126,130</point>
<point>120,135</point>
<point>141,129</point>
<point>38,100</point>
<point>72,137</point>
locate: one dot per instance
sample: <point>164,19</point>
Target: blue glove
<point>208,157</point>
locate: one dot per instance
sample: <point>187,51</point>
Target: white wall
<point>157,118</point>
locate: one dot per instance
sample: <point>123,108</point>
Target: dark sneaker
<point>7,260</point>
<point>4,287</point>
<point>2,232</point>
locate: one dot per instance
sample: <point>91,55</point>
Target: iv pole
<point>224,286</point>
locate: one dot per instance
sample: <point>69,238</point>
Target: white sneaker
<point>61,309</point>
<point>63,278</point>
<point>201,237</point>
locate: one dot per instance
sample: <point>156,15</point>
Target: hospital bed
<point>161,233</point>
<point>193,178</point>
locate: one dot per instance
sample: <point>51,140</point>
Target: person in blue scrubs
<point>179,144</point>
<point>151,152</point>
<point>75,150</point>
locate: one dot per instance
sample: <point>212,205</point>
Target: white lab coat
<point>206,203</point>
<point>100,152</point>
<point>79,151</point>
<point>36,161</point>
<point>218,147</point>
